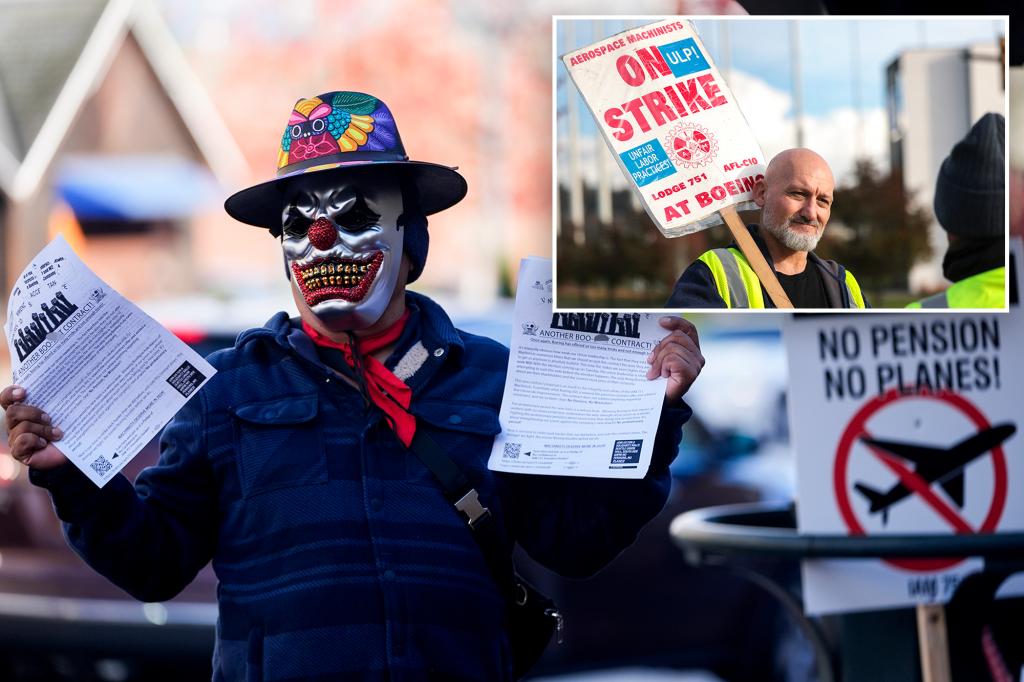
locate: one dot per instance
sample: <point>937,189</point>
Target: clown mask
<point>343,247</point>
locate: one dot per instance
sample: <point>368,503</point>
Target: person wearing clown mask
<point>342,245</point>
<point>337,552</point>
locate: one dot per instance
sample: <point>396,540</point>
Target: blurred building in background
<point>125,123</point>
<point>107,138</point>
<point>469,85</point>
<point>934,97</point>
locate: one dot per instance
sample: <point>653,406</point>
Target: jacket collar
<point>436,328</point>
<point>438,339</point>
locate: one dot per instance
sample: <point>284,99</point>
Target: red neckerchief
<point>387,391</point>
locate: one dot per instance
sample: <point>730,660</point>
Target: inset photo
<point>748,163</point>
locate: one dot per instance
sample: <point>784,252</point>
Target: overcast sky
<point>757,52</point>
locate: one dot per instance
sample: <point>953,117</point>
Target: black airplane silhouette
<point>944,466</point>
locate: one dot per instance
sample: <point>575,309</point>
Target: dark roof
<point>40,43</point>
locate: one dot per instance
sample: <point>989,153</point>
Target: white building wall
<point>943,92</point>
<point>985,81</point>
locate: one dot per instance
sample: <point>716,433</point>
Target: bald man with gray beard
<point>795,197</point>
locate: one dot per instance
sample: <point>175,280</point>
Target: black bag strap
<point>458,489</point>
<point>466,500</point>
<point>481,524</point>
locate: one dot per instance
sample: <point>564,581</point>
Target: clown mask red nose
<point>322,234</point>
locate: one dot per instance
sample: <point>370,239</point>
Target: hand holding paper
<point>677,357</point>
<point>585,391</point>
<point>30,432</point>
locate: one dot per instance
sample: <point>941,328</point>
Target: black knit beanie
<point>970,191</point>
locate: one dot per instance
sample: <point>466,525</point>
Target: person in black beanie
<point>970,205</point>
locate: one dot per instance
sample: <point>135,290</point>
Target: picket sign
<point>676,131</point>
<point>933,642</point>
<point>910,425</point>
<point>754,256</point>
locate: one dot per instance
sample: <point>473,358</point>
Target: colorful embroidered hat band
<point>343,132</point>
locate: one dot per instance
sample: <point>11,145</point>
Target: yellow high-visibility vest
<point>984,290</point>
<point>739,286</point>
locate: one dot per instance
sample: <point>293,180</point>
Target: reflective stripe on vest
<point>938,300</point>
<point>739,286</point>
<point>853,290</point>
<point>735,280</point>
<point>737,292</point>
<point>984,290</point>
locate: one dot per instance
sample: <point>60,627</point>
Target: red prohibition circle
<point>856,427</point>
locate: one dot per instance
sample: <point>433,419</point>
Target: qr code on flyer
<point>101,465</point>
<point>186,379</point>
<point>512,450</point>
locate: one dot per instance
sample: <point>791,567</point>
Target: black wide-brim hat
<point>344,134</point>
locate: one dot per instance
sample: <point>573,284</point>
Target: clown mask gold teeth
<point>335,277</point>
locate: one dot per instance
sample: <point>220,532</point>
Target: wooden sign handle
<point>932,640</point>
<point>754,256</point>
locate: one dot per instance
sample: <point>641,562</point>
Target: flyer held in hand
<point>107,374</point>
<point>577,401</point>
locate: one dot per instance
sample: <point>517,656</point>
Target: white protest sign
<point>904,424</point>
<point>671,121</point>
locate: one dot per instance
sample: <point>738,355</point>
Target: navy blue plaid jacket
<point>337,554</point>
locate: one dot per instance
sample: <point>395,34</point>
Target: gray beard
<point>791,239</point>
